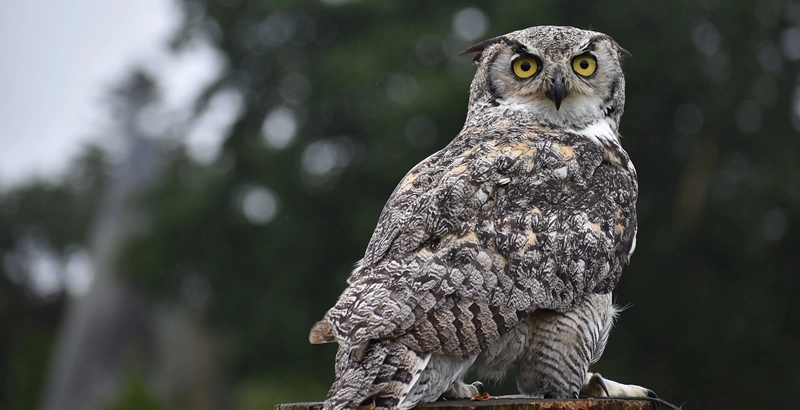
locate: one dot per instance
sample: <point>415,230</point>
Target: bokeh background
<point>224,185</point>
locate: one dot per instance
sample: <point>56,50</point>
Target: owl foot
<point>461,390</point>
<point>597,386</point>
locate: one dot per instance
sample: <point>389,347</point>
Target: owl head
<point>558,77</point>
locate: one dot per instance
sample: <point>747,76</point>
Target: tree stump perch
<point>500,403</point>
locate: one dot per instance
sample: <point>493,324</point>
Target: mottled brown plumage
<point>524,221</point>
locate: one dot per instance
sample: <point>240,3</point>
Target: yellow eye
<point>524,67</point>
<point>584,65</point>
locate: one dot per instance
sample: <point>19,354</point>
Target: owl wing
<point>482,233</point>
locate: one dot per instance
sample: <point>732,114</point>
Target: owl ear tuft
<point>623,53</point>
<point>476,52</point>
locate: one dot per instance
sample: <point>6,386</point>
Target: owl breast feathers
<point>531,208</point>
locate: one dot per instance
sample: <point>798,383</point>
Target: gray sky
<point>59,58</point>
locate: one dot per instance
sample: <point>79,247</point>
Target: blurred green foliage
<point>257,394</point>
<point>373,87</point>
<point>31,348</point>
<point>136,395</point>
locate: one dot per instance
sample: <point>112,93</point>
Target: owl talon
<point>602,384</point>
<point>461,390</point>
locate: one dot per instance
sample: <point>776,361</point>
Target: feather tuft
<point>321,332</point>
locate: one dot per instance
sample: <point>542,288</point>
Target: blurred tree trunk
<point>114,331</point>
<point>109,328</point>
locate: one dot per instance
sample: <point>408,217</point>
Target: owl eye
<point>525,67</point>
<point>584,65</point>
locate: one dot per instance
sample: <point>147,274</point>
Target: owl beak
<point>558,92</point>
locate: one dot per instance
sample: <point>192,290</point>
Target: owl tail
<point>383,377</point>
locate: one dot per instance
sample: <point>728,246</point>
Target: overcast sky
<point>57,61</point>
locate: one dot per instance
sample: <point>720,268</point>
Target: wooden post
<point>499,403</point>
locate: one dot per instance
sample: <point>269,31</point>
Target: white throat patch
<point>602,132</point>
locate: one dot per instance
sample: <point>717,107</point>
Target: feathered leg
<point>442,377</point>
<point>561,346</point>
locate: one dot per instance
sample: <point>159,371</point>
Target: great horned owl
<point>502,249</point>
